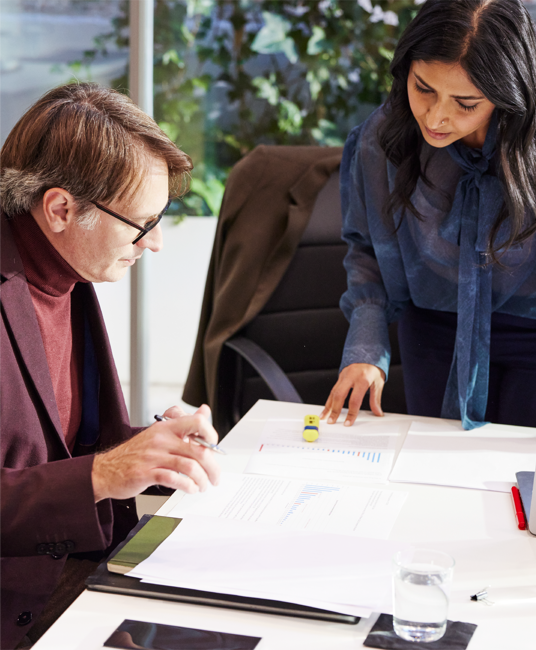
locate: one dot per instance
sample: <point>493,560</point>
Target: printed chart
<point>298,505</point>
<point>363,453</point>
<point>307,495</point>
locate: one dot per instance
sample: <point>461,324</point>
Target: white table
<point>476,527</point>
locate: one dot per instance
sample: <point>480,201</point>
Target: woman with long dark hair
<point>438,193</point>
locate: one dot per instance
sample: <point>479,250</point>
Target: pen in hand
<point>197,439</point>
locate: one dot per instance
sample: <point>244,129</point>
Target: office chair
<point>292,349</point>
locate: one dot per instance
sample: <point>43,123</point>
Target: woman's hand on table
<point>358,378</point>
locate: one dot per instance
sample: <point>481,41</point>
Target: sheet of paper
<point>340,608</point>
<point>364,452</point>
<point>231,556</point>
<point>298,505</point>
<point>484,459</point>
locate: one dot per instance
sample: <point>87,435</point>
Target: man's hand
<point>357,377</point>
<point>159,455</point>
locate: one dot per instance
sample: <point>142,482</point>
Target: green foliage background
<point>232,74</point>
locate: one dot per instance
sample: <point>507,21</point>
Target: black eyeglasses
<point>151,222</point>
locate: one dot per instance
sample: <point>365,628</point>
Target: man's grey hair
<point>20,191</point>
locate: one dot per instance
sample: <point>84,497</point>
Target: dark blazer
<point>268,200</point>
<point>46,493</point>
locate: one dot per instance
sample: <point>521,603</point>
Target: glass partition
<point>232,74</point>
<point>229,74</point>
<point>43,44</point>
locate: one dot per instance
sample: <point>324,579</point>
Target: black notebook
<point>104,580</point>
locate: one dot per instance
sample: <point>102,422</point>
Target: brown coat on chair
<point>266,207</point>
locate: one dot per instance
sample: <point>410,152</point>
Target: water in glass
<point>420,602</point>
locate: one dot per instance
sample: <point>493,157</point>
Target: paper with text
<point>298,505</point>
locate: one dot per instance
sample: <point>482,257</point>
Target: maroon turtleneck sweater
<point>51,282</point>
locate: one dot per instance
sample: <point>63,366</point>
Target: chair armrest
<point>266,367</point>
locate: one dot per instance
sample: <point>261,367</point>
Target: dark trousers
<point>427,340</point>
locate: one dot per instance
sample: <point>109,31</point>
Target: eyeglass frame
<point>142,230</point>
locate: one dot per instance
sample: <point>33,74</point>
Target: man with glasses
<point>86,178</point>
<point>149,224</point>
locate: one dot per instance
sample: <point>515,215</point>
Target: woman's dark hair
<point>495,43</point>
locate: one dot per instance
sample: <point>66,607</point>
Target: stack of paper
<point>305,539</point>
<point>333,572</point>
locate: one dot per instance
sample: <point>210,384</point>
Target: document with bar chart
<point>360,453</point>
<point>291,504</point>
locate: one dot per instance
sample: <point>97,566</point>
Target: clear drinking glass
<point>421,586</point>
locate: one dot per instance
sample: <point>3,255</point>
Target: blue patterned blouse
<point>438,263</point>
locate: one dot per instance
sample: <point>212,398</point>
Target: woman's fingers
<point>327,407</point>
<point>357,378</point>
<point>355,401</point>
<point>338,394</point>
<point>375,398</point>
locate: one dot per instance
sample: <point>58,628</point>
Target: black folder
<point>115,583</point>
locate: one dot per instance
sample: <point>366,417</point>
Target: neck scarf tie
<point>476,205</point>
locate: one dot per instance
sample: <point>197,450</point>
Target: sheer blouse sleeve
<point>365,304</point>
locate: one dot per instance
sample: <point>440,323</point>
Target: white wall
<point>177,280</point>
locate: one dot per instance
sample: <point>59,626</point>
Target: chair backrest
<point>301,326</point>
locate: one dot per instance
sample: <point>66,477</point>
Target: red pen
<point>518,509</point>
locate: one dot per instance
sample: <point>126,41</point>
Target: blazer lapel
<point>20,314</point>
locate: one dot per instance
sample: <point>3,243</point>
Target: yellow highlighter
<point>310,430</point>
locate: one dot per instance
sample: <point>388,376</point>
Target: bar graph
<point>305,496</point>
<point>361,455</point>
<point>364,452</point>
<point>295,504</point>
<point>309,501</point>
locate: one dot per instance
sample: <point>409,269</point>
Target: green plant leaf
<point>172,56</point>
<point>317,42</point>
<point>266,89</point>
<point>272,37</point>
<point>290,117</point>
<point>171,130</point>
<point>314,85</point>
<point>211,191</point>
<point>387,54</point>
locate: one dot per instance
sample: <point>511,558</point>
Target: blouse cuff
<point>367,340</point>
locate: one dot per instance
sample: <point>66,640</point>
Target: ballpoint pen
<point>197,439</point>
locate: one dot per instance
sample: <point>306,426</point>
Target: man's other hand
<point>358,378</point>
<point>159,455</point>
